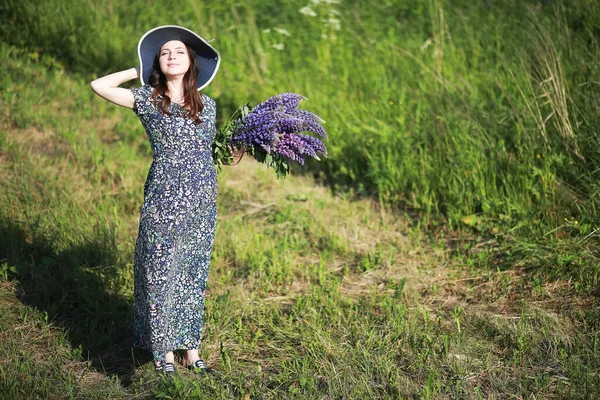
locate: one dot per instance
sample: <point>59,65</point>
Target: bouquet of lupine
<point>272,133</point>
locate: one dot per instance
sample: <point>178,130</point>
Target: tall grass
<point>442,107</point>
<point>475,115</point>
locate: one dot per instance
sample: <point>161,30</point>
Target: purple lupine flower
<point>316,128</point>
<point>257,128</point>
<point>291,125</point>
<point>290,146</point>
<point>313,146</point>
<point>297,125</point>
<point>306,115</point>
<point>283,101</point>
<point>294,146</point>
<point>275,126</point>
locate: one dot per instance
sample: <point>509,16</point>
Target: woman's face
<point>174,59</point>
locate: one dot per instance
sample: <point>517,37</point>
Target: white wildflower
<point>282,31</point>
<point>426,44</point>
<point>308,11</point>
<point>334,23</point>
<point>278,46</point>
<point>268,30</point>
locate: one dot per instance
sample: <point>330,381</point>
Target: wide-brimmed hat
<point>207,58</point>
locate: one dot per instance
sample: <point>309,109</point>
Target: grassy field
<point>447,248</point>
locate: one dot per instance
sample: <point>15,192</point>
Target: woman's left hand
<point>236,153</point>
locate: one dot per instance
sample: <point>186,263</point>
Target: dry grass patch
<point>363,228</point>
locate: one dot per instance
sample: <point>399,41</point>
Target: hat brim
<point>207,57</point>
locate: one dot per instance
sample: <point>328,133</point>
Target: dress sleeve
<point>141,96</point>
<point>212,111</point>
<point>209,115</point>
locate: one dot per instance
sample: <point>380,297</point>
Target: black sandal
<point>168,368</point>
<point>199,367</point>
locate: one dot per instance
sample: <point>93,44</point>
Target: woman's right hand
<point>108,88</point>
<point>237,155</point>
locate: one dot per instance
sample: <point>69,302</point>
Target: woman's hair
<point>192,99</point>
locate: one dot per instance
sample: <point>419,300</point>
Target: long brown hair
<point>192,99</point>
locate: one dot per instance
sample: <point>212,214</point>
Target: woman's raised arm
<point>108,88</point>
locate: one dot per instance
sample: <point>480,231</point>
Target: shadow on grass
<point>73,287</point>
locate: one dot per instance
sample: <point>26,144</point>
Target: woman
<point>178,216</point>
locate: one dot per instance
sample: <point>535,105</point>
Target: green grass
<point>445,249</point>
<point>447,109</point>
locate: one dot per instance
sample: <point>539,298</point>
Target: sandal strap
<point>169,367</point>
<point>198,364</point>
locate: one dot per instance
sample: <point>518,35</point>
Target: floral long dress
<point>177,227</point>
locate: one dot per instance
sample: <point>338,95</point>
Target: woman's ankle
<point>190,356</point>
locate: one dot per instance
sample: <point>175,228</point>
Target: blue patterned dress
<point>177,227</point>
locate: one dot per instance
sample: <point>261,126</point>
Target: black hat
<point>207,58</point>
